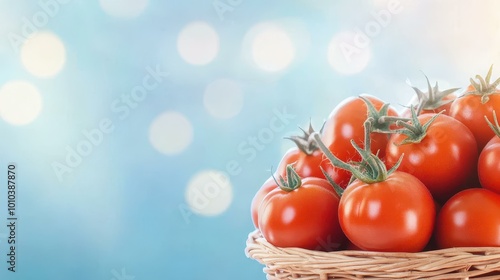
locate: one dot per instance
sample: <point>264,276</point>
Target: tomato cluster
<point>373,179</point>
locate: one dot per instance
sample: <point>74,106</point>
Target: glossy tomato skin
<point>266,188</point>
<point>489,165</point>
<point>396,215</point>
<point>306,217</point>
<point>470,111</point>
<point>344,123</point>
<point>444,159</point>
<point>307,165</point>
<point>469,219</point>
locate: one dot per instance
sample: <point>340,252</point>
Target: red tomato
<point>480,100</point>
<point>344,123</point>
<point>396,215</point>
<point>443,160</point>
<point>307,165</point>
<point>267,187</point>
<point>489,165</point>
<point>469,219</point>
<point>470,111</point>
<point>306,217</point>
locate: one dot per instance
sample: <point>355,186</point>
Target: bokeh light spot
<point>198,43</point>
<point>43,54</point>
<point>20,102</point>
<point>171,133</point>
<point>209,193</point>
<point>272,49</point>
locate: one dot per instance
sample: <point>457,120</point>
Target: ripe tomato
<point>267,187</point>
<point>344,123</point>
<point>443,160</point>
<point>306,217</point>
<point>470,111</point>
<point>395,215</point>
<point>489,165</point>
<point>307,159</point>
<point>307,165</point>
<point>469,219</point>
<point>480,100</point>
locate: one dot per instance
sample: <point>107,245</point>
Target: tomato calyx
<point>371,169</point>
<point>484,88</point>
<point>304,142</point>
<point>381,120</point>
<point>414,130</point>
<point>495,127</point>
<point>292,181</point>
<point>433,98</point>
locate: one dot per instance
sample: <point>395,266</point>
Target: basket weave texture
<point>296,263</point>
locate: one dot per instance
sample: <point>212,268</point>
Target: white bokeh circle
<point>171,133</point>
<point>198,43</point>
<point>223,98</point>
<point>43,54</point>
<point>20,102</point>
<point>272,49</point>
<point>124,8</point>
<point>209,193</point>
<point>349,52</point>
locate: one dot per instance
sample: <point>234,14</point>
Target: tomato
<point>395,215</point>
<point>470,111</point>
<point>305,217</point>
<point>443,160</point>
<point>480,100</point>
<point>307,159</point>
<point>469,219</point>
<point>489,165</point>
<point>344,123</point>
<point>268,186</point>
<point>307,165</point>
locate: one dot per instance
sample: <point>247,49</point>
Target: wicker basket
<point>295,263</point>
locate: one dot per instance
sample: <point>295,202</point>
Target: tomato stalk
<point>371,169</point>
<point>495,127</point>
<point>415,131</point>
<point>304,143</point>
<point>484,88</point>
<point>433,98</point>
<point>379,118</point>
<point>292,181</point>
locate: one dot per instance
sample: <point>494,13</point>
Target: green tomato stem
<point>371,169</point>
<point>495,127</point>
<point>336,187</point>
<point>292,181</point>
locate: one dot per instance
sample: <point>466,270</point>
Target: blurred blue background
<point>141,129</point>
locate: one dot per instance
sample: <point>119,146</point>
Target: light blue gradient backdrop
<point>119,209</point>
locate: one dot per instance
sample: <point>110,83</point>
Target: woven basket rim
<point>451,263</point>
